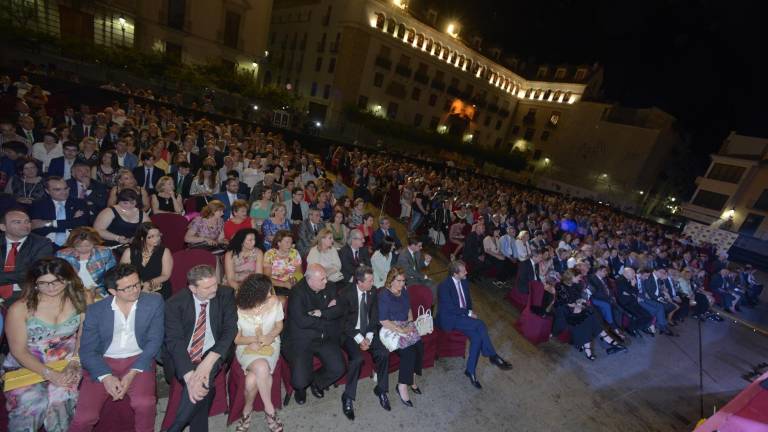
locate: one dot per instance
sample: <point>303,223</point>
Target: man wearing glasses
<point>55,214</point>
<point>121,338</point>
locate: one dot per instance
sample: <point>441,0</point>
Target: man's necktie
<point>10,265</point>
<point>354,257</point>
<point>147,178</point>
<point>198,337</point>
<point>462,300</point>
<point>61,215</point>
<point>179,183</point>
<point>363,313</point>
<point>80,190</point>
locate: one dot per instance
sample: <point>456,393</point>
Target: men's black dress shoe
<point>615,349</point>
<point>500,363</point>
<point>347,408</point>
<point>473,380</point>
<point>316,391</point>
<point>383,399</point>
<point>669,332</point>
<point>300,395</point>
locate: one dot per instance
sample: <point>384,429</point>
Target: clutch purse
<point>24,377</point>
<point>266,351</point>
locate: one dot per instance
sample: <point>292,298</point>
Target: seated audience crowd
<point>302,273</point>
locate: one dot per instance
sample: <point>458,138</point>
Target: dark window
<point>176,13</point>
<point>362,102</point>
<point>313,90</point>
<point>726,173</point>
<point>433,123</point>
<point>272,38</point>
<point>487,121</point>
<point>498,124</point>
<point>762,201</point>
<point>497,144</point>
<point>710,200</point>
<point>432,99</point>
<point>392,110</point>
<point>332,65</point>
<point>318,64</point>
<point>515,130</point>
<point>415,93</point>
<point>378,79</point>
<point>447,105</point>
<point>173,52</point>
<point>529,133</point>
<point>417,119</point>
<point>232,29</point>
<point>536,155</point>
<point>327,91</point>
<point>545,135</point>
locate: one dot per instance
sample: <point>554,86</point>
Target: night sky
<point>698,60</point>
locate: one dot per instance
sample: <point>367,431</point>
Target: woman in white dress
<point>381,261</point>
<point>259,323</point>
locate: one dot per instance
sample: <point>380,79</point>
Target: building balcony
<point>383,63</point>
<point>421,78</point>
<point>698,213</point>
<point>403,70</point>
<point>438,85</point>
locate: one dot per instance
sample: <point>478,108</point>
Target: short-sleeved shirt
<point>282,267</point>
<point>393,308</point>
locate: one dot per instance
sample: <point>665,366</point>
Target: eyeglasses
<point>49,284</point>
<point>137,285</point>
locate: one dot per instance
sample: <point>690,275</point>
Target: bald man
<point>313,329</point>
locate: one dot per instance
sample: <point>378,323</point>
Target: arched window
<point>401,31</point>
<point>461,61</point>
<point>411,35</point>
<point>380,20</point>
<point>528,93</point>
<point>547,94</point>
<point>452,58</point>
<point>430,44</point>
<point>438,49</point>
<point>557,96</point>
<point>391,26</point>
<point>567,98</point>
<point>420,40</point>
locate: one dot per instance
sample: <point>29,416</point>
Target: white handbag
<point>424,323</point>
<point>389,338</point>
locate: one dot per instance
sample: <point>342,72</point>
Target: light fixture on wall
<point>122,21</point>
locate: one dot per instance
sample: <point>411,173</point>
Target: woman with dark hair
<point>117,224</point>
<point>126,181</point>
<point>107,170</point>
<point>339,230</point>
<point>153,260</point>
<point>27,185</point>
<point>85,253</point>
<point>243,258</point>
<point>259,323</point>
<point>282,262</point>
<point>395,314</point>
<point>580,318</point>
<point>43,330</point>
<point>367,229</point>
<point>239,219</point>
<point>205,183</point>
<point>381,261</point>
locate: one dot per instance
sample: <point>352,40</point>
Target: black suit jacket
<point>626,294</point>
<point>138,172</point>
<point>650,288</point>
<point>302,329</point>
<point>186,183</point>
<point>526,274</point>
<point>34,248</point>
<point>599,288</point>
<point>79,131</point>
<point>38,136</point>
<point>350,306</point>
<point>96,196</point>
<point>44,209</point>
<point>348,264</point>
<point>180,320</point>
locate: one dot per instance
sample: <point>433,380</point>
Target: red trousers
<point>93,395</point>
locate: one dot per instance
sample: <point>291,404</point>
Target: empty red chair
<point>184,260</point>
<point>174,227</point>
<point>191,205</point>
<point>450,344</point>
<point>218,405</point>
<point>421,295</point>
<point>236,386</point>
<point>535,328</point>
<point>517,298</point>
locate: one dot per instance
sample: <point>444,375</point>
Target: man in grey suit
<point>413,262</point>
<point>122,335</point>
<point>308,231</point>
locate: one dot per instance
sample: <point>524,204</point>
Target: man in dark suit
<point>353,254</point>
<point>19,248</point>
<point>67,118</point>
<point>82,186</point>
<point>62,166</point>
<point>652,290</point>
<point>385,230</point>
<point>455,313</point>
<point>56,213</point>
<point>307,231</point>
<point>413,262</point>
<point>601,297</point>
<point>242,188</point>
<point>84,128</point>
<point>182,179</point>
<point>722,284</point>
<point>28,131</point>
<point>147,174</point>
<point>360,333</point>
<point>313,329</point>
<point>474,252</point>
<point>628,296</point>
<point>121,337</point>
<point>229,196</point>
<point>200,330</point>
<point>528,271</point>
<point>192,158</point>
<point>560,261</point>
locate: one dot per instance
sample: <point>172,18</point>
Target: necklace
<point>145,256</point>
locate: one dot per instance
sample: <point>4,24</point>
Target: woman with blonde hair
<point>274,223</point>
<point>326,255</point>
<point>207,229</point>
<point>165,199</point>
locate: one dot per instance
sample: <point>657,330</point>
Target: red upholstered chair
<point>174,227</point>
<point>191,205</point>
<point>534,328</point>
<point>421,295</point>
<point>236,386</point>
<point>515,297</point>
<point>116,416</point>
<point>184,260</point>
<point>450,344</point>
<point>218,406</point>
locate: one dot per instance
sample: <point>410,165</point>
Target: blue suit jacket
<point>448,310</point>
<point>99,325</point>
<point>56,168</point>
<point>130,161</point>
<point>378,237</point>
<point>44,209</point>
<point>223,197</point>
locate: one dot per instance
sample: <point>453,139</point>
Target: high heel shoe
<point>244,423</point>
<point>405,402</point>
<point>273,422</point>
<point>588,353</point>
<point>416,389</point>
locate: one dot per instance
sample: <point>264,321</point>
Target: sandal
<point>588,352</point>
<point>273,422</point>
<point>244,423</point>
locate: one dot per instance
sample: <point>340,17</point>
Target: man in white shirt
<point>122,335</point>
